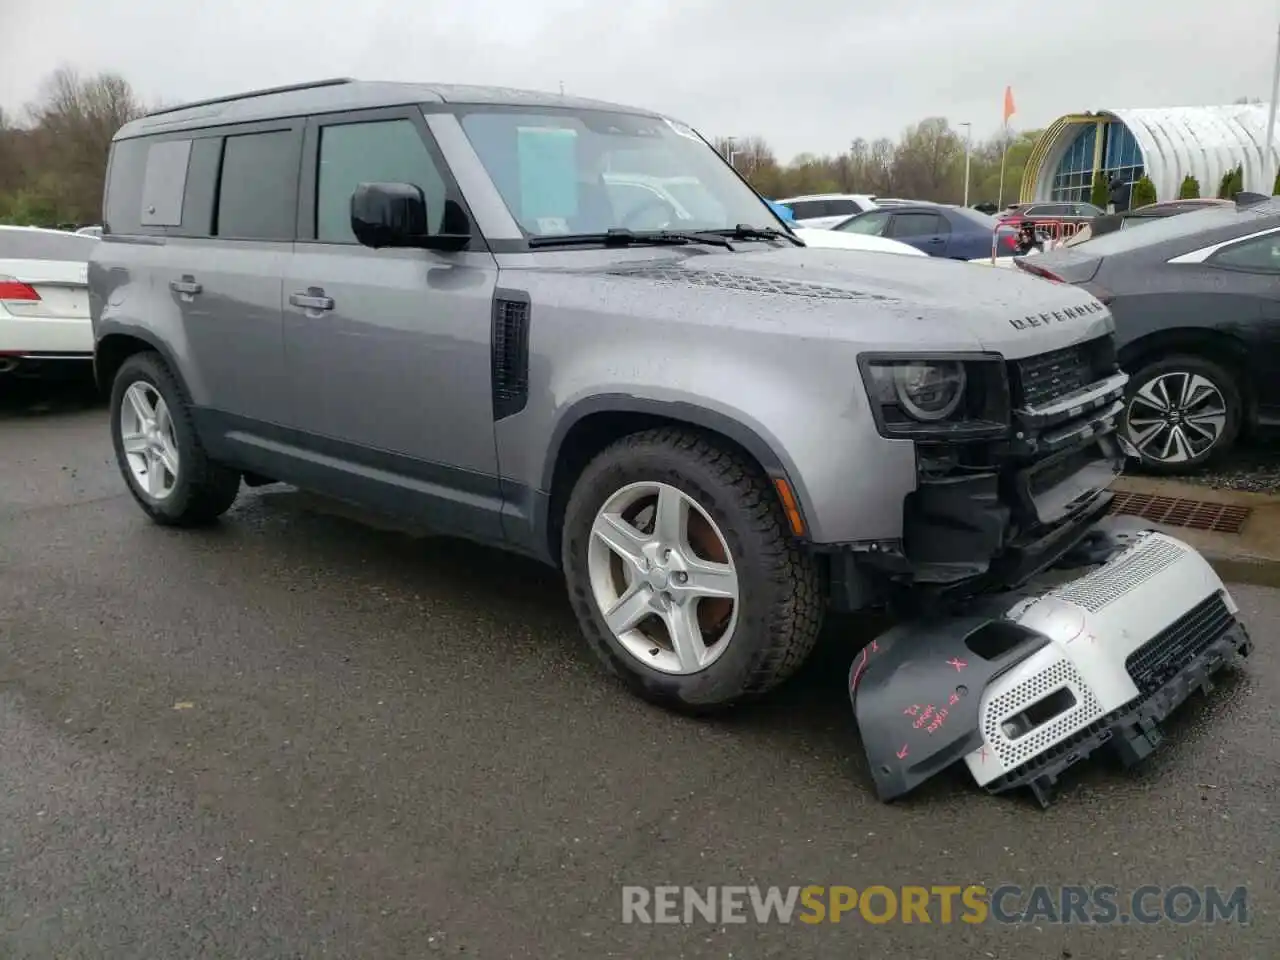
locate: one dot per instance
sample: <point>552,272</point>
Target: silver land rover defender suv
<point>473,309</point>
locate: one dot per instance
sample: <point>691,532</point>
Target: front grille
<point>1154,663</point>
<point>1045,378</point>
<point>1040,380</point>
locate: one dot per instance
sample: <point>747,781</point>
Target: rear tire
<point>166,468</point>
<point>1181,413</point>
<point>747,638</point>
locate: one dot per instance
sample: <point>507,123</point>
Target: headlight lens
<point>927,397</point>
<point>929,391</point>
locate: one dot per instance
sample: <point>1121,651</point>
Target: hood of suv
<point>923,301</point>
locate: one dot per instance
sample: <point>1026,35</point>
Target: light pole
<point>730,144</point>
<point>1268,167</point>
<point>968,140</point>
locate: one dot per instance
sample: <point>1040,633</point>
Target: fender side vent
<point>510,356</point>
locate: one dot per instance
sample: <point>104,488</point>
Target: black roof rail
<point>288,88</point>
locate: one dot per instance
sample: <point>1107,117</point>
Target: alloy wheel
<point>1176,417</point>
<point>147,437</point>
<point>663,578</point>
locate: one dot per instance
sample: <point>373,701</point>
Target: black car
<point>1111,222</point>
<point>1196,300</point>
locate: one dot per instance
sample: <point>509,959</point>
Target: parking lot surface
<point>298,735</point>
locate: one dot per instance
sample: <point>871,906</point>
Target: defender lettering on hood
<point>1060,316</point>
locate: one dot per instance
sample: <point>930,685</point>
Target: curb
<point>1255,571</point>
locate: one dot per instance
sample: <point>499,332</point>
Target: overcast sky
<point>808,75</point>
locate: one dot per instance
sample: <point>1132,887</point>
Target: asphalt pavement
<point>299,735</point>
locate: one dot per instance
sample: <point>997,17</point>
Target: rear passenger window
<point>917,225</point>
<point>1261,254</point>
<point>258,191</point>
<point>842,208</point>
<point>807,209</point>
<point>202,187</point>
<point>381,151</point>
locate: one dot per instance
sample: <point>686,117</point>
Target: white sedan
<point>44,299</point>
<point>838,240</point>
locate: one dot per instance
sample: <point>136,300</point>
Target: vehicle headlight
<point>929,391</point>
<point>937,396</point>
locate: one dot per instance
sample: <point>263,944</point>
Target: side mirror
<point>395,215</point>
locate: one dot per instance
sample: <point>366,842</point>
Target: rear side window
<point>842,208</point>
<point>808,209</point>
<point>382,151</point>
<point>258,190</point>
<point>202,187</point>
<point>918,225</point>
<point>1259,255</point>
<point>870,224</point>
<point>45,245</point>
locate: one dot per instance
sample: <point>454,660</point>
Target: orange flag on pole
<point>1009,109</point>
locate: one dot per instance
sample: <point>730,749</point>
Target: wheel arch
<point>1225,350</point>
<point>592,424</point>
<point>117,345</point>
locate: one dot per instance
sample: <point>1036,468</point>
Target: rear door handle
<point>187,286</point>
<point>313,299</point>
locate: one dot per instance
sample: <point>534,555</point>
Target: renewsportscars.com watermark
<point>1006,904</point>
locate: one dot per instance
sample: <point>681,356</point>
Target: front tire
<point>682,572</point>
<point>1181,412</point>
<point>158,450</point>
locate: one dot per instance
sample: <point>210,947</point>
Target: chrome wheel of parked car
<point>1181,412</point>
<point>663,578</point>
<point>146,434</point>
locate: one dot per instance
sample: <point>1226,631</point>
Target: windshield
<point>563,172</point>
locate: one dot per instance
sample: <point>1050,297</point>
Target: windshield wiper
<point>744,231</point>
<point>622,237</point>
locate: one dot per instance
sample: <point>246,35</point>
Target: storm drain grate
<point>1179,512</point>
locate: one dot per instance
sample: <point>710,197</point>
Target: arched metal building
<point>1164,143</point>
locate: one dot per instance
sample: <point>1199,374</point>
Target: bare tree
<point>881,167</point>
<point>926,163</point>
<point>73,123</point>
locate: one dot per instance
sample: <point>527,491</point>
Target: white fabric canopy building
<point>1164,143</point>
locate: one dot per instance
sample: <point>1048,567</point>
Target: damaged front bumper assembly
<point>1021,686</point>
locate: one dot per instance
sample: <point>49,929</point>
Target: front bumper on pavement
<point>1023,686</point>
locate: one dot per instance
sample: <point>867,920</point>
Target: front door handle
<point>312,299</point>
<point>187,286</point>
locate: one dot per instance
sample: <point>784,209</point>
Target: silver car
<point>466,307</point>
